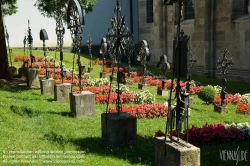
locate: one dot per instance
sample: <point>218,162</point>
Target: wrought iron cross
<point>30,43</point>
<point>120,40</point>
<point>60,31</point>
<point>75,22</point>
<point>225,64</point>
<point>89,43</point>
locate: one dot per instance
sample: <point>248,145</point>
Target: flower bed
<point>145,110</point>
<point>217,133</point>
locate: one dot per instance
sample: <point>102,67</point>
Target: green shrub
<point>207,94</point>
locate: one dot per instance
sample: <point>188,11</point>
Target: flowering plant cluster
<point>243,108</point>
<point>103,90</point>
<point>195,89</point>
<point>144,110</point>
<point>144,97</point>
<point>100,62</point>
<point>109,69</point>
<point>167,85</point>
<point>98,82</point>
<point>123,88</point>
<point>41,64</point>
<point>243,127</point>
<point>230,99</point>
<point>27,58</point>
<point>245,99</point>
<point>125,97</point>
<point>211,134</point>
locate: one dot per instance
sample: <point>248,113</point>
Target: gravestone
<point>118,128</point>
<point>32,78</point>
<point>61,92</point>
<point>169,153</point>
<point>225,64</point>
<point>82,104</point>
<point>47,84</point>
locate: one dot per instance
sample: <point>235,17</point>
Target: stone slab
<point>90,69</point>
<point>82,104</point>
<point>13,71</point>
<point>103,74</point>
<point>22,73</point>
<point>47,86</point>
<point>61,92</point>
<point>142,86</point>
<point>220,109</point>
<point>118,130</point>
<point>162,92</point>
<point>175,154</point>
<point>32,78</point>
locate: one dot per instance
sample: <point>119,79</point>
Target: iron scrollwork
<point>75,22</point>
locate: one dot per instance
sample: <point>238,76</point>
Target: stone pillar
<point>175,154</point>
<point>103,74</point>
<point>82,104</point>
<point>162,92</point>
<point>118,130</point>
<point>62,92</point>
<point>47,86</point>
<point>32,78</point>
<point>90,69</point>
<point>142,86</point>
<point>22,73</point>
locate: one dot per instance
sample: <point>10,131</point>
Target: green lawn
<point>30,121</point>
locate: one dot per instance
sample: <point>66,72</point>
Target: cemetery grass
<point>31,121</point>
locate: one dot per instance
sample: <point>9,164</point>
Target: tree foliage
<point>48,8</point>
<point>9,7</point>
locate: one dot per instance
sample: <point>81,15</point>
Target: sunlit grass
<point>31,121</point>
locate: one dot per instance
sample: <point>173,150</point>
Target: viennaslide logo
<point>236,155</point>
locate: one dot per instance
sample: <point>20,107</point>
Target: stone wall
<point>212,30</point>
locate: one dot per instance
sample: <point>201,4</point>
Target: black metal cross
<point>120,40</point>
<point>225,64</point>
<point>89,43</point>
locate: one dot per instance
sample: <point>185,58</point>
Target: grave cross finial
<point>225,64</point>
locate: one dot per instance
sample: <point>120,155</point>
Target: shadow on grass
<point>24,111</point>
<point>141,153</point>
<point>13,88</point>
<point>29,112</point>
<point>65,114</point>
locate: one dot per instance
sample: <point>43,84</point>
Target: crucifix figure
<point>225,64</point>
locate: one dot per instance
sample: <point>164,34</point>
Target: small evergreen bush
<point>207,94</point>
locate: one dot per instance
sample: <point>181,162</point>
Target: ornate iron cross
<point>89,43</point>
<point>60,31</point>
<point>120,42</point>
<point>75,22</point>
<point>225,64</point>
<point>30,43</point>
<point>143,56</point>
<point>119,38</point>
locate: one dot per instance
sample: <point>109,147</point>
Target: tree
<point>46,7</point>
<point>6,7</point>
